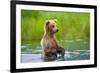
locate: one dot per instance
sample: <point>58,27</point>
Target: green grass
<point>74,28</point>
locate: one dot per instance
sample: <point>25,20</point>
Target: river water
<point>69,56</point>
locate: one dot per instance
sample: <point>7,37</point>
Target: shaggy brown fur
<point>49,42</point>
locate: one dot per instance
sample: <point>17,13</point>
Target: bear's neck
<point>51,35</point>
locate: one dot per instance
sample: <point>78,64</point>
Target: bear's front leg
<point>61,52</point>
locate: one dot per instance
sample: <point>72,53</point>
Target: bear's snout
<point>57,30</point>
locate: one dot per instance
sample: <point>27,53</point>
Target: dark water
<point>69,56</point>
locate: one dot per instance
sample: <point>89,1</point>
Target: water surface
<point>69,56</point>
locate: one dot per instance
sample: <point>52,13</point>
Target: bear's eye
<point>53,26</point>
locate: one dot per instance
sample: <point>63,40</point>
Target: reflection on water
<point>69,56</point>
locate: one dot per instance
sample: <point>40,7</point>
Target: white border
<point>20,65</point>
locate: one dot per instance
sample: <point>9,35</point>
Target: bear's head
<point>50,26</point>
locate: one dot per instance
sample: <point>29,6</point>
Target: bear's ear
<point>55,20</point>
<point>46,28</point>
<point>47,22</point>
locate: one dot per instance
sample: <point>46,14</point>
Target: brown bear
<point>49,42</point>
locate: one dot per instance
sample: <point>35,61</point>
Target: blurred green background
<point>74,29</point>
